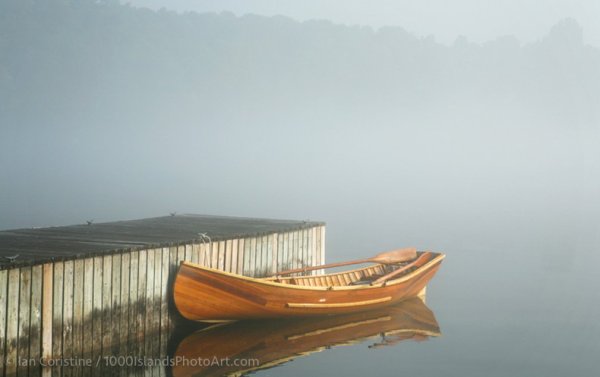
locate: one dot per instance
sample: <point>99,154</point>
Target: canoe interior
<point>359,276</point>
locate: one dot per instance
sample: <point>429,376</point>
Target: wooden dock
<point>92,290</point>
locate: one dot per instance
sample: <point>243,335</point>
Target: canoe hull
<point>204,294</point>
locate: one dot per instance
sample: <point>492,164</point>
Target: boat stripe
<point>337,304</point>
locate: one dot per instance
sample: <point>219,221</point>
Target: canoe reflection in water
<point>274,342</point>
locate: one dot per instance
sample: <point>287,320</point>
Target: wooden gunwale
<point>412,330</point>
<point>438,258</point>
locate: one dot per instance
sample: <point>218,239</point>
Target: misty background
<point>461,136</point>
<point>110,111</point>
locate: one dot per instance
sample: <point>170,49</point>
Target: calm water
<point>515,319</point>
<point>520,311</point>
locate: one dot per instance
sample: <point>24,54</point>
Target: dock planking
<point>24,319</point>
<point>104,289</point>
<point>67,310</point>
<point>35,324</point>
<point>3,293</point>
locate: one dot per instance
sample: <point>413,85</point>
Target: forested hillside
<point>70,61</point>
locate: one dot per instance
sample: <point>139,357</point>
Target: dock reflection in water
<point>238,348</point>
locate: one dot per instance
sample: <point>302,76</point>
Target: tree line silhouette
<point>72,61</point>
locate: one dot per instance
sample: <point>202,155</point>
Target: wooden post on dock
<point>47,311</point>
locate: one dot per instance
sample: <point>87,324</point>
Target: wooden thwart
<point>384,278</point>
<point>388,257</point>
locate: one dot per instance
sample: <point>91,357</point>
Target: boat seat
<point>366,280</point>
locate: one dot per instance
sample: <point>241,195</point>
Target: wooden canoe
<point>265,344</point>
<point>210,295</point>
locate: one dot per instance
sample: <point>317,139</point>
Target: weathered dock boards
<point>104,289</point>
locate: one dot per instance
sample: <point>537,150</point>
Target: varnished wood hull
<point>277,341</point>
<point>205,294</point>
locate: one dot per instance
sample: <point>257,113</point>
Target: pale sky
<point>478,20</point>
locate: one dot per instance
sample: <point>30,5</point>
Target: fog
<point>483,146</point>
<point>112,112</point>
